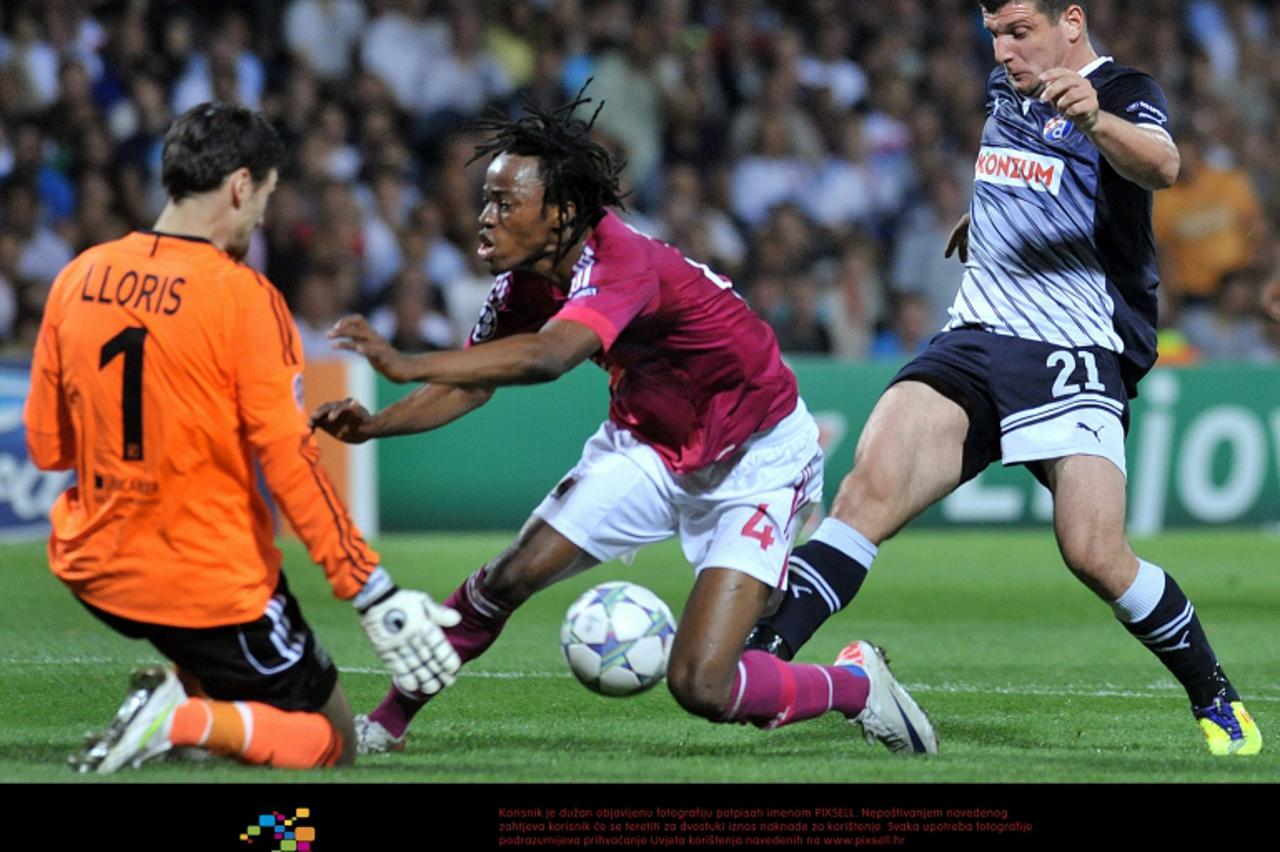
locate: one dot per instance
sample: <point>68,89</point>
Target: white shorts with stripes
<point>742,513</point>
<point>1086,424</point>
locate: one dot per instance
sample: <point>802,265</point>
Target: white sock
<point>1143,594</point>
<point>844,538</point>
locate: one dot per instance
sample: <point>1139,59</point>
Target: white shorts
<point>1078,426</point>
<point>742,513</point>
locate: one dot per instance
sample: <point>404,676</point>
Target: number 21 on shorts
<point>1065,360</point>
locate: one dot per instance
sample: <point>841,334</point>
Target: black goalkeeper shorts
<point>276,659</point>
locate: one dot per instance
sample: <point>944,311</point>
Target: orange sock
<point>256,733</point>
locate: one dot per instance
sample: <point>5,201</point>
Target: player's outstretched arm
<point>428,407</point>
<point>1145,157</point>
<point>404,627</point>
<point>521,359</point>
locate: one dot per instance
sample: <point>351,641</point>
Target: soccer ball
<point>617,638</point>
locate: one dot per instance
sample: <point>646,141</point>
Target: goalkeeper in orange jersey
<point>163,367</point>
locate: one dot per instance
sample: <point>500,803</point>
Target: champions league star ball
<point>617,638</point>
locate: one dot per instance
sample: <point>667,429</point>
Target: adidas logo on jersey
<point>1010,167</point>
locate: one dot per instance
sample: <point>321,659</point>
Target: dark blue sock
<point>1173,633</point>
<point>824,575</point>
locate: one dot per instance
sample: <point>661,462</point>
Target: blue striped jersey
<point>1060,245</point>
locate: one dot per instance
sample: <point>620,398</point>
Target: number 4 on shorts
<point>764,532</point>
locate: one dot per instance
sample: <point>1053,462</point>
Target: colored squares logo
<point>285,832</point>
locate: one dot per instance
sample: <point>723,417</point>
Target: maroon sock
<point>769,693</point>
<point>483,617</point>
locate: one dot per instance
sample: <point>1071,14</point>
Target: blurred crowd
<point>817,151</point>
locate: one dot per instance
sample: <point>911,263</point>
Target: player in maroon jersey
<point>706,439</point>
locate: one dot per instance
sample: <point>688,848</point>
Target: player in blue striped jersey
<point>1052,328</point>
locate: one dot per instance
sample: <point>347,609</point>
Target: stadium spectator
<point>385,204</point>
<point>1206,225</point>
<point>41,251</point>
<point>399,47</point>
<point>742,45</point>
<point>292,108</point>
<point>416,318</point>
<point>846,192</point>
<point>1231,329</point>
<point>1053,327</point>
<point>803,330</point>
<point>33,60</point>
<point>696,108</point>
<point>203,374</point>
<point>461,80</point>
<point>74,112</point>
<point>919,266</point>
<point>339,234</point>
<point>30,163</point>
<point>514,39</point>
<point>464,295</point>
<point>909,330</point>
<point>626,76</point>
<point>778,105</point>
<point>97,220</point>
<point>458,183</point>
<point>138,123</point>
<point>688,219</point>
<point>10,284</point>
<point>1270,300</point>
<point>289,231</point>
<point>426,247</point>
<point>322,35</point>
<point>127,52</point>
<point>828,68</point>
<point>798,241</point>
<point>769,176</point>
<point>855,298</point>
<point>228,70</point>
<point>767,295</point>
<point>545,82</point>
<point>318,306</point>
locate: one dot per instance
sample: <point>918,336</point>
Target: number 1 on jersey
<point>129,341</point>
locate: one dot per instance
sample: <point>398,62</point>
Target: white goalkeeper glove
<point>404,627</point>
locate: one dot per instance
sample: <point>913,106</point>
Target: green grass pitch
<point>1026,676</point>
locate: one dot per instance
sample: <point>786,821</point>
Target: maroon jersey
<point>693,372</point>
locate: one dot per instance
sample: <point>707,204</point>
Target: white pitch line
<point>1154,691</point>
<point>362,670</point>
<point>1157,690</point>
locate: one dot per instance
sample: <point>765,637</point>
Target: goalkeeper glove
<point>404,627</point>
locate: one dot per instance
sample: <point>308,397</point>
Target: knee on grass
<point>700,689</point>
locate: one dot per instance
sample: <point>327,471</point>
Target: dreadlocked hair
<point>574,168</point>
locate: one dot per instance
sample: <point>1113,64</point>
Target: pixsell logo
<point>281,833</point>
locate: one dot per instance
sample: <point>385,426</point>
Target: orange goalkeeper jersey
<point>162,367</point>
